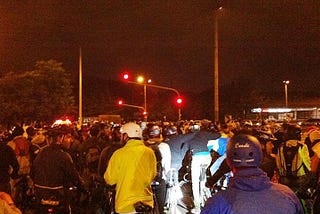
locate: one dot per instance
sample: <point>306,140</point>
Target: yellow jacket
<point>300,162</point>
<point>132,169</point>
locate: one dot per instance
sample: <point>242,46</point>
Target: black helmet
<point>17,131</point>
<point>153,131</point>
<point>194,127</point>
<point>244,151</point>
<point>57,130</point>
<point>265,136</point>
<point>94,130</point>
<point>293,132</point>
<point>31,131</point>
<point>169,131</point>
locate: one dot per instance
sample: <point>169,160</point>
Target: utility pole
<point>216,68</point>
<point>80,89</point>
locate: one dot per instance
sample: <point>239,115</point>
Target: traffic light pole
<point>170,89</point>
<point>160,87</point>
<point>133,106</point>
<point>139,107</point>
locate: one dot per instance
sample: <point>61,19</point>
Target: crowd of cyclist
<point>61,167</point>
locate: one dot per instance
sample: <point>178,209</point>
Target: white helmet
<point>133,130</point>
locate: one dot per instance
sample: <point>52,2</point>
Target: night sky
<point>169,41</point>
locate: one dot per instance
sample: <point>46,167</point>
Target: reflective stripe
<point>46,187</point>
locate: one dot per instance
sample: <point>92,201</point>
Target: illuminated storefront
<point>281,114</point>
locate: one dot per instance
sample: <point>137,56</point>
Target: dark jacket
<point>250,191</point>
<point>53,168</point>
<point>7,159</point>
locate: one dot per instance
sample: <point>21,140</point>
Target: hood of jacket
<point>250,179</point>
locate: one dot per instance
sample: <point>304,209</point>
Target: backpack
<point>294,168</point>
<point>293,159</point>
<point>158,155</point>
<point>21,147</point>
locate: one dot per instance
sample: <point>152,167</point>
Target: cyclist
<point>53,172</point>
<point>132,169</point>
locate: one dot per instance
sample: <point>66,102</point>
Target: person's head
<point>94,130</point>
<point>314,137</point>
<point>244,151</point>
<point>31,131</point>
<point>247,124</point>
<point>293,132</point>
<point>151,131</point>
<point>6,197</point>
<point>194,127</point>
<point>169,131</point>
<point>61,135</point>
<point>116,134</point>
<point>131,131</point>
<point>17,131</point>
<point>267,141</point>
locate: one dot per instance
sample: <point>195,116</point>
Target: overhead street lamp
<point>286,83</point>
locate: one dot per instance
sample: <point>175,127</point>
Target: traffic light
<point>144,113</point>
<point>179,101</point>
<point>125,76</point>
<point>120,102</point>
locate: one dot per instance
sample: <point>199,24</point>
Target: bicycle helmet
<point>169,131</point>
<point>293,132</point>
<point>265,136</point>
<point>244,151</point>
<point>154,132</point>
<point>133,130</point>
<point>17,131</point>
<point>57,130</point>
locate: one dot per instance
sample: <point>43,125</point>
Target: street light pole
<point>216,66</point>
<point>145,102</point>
<point>80,88</point>
<point>141,80</point>
<point>286,83</point>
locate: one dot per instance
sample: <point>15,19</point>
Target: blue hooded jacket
<point>250,191</point>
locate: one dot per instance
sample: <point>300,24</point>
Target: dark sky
<point>169,41</point>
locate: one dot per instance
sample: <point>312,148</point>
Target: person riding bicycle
<point>132,169</point>
<point>53,171</point>
<point>154,140</point>
<point>250,189</point>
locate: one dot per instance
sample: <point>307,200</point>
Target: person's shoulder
<point>283,189</point>
<point>217,204</point>
<point>149,149</point>
<point>163,145</point>
<point>118,152</point>
<point>5,147</point>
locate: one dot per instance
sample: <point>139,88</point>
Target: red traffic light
<point>125,76</point>
<point>120,102</point>
<point>179,101</point>
<point>145,113</point>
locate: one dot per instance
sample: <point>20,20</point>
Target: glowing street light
<point>286,83</point>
